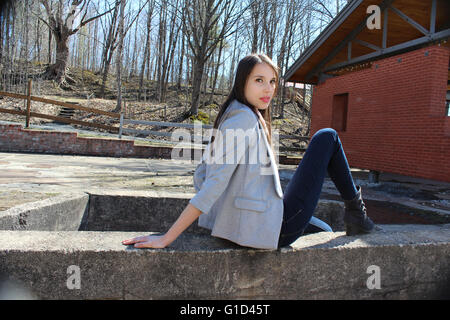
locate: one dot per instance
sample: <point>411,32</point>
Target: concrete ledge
<point>43,242</point>
<point>134,211</point>
<point>157,212</point>
<point>413,263</point>
<point>63,212</point>
<point>122,211</point>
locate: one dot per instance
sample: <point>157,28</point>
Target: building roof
<point>347,40</point>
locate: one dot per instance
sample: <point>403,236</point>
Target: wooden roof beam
<point>368,45</point>
<point>433,16</point>
<point>341,17</point>
<point>409,20</point>
<point>397,48</point>
<point>350,37</point>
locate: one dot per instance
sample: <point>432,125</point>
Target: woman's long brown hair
<point>244,69</point>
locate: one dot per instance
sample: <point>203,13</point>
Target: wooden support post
<point>123,109</point>
<point>121,125</point>
<point>27,125</point>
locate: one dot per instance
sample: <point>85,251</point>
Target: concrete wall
<point>64,212</point>
<point>410,261</point>
<point>132,211</point>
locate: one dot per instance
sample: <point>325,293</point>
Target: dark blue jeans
<point>323,155</point>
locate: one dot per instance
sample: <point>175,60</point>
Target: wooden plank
<point>77,107</point>
<point>19,112</point>
<point>13,95</point>
<point>61,119</point>
<point>147,132</point>
<point>60,103</point>
<point>27,122</point>
<point>165,124</point>
<point>72,121</point>
<point>159,133</point>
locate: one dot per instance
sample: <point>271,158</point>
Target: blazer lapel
<point>273,164</point>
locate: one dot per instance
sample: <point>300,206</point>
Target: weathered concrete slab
<point>63,212</point>
<point>413,263</point>
<point>157,211</point>
<point>413,260</point>
<point>122,211</point>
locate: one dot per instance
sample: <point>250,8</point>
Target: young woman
<point>239,195</point>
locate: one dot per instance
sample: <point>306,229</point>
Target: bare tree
<point>222,44</point>
<point>111,42</point>
<point>145,59</point>
<point>166,52</point>
<point>292,16</point>
<point>119,55</point>
<point>60,21</point>
<point>255,9</point>
<point>203,18</point>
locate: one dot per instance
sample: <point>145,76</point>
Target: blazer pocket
<point>250,204</point>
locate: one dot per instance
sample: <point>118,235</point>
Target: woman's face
<point>260,86</point>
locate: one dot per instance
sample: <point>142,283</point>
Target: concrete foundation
<point>69,247</point>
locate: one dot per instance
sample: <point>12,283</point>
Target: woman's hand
<point>149,241</point>
<point>189,214</point>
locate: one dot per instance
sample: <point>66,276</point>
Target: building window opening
<point>339,112</point>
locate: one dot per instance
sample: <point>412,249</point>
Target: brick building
<point>385,90</point>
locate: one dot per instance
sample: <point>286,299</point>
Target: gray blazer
<point>237,183</point>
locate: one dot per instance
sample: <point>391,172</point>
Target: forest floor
<point>86,92</point>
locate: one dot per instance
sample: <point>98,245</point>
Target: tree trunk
<point>108,51</point>
<point>180,67</point>
<point>196,85</point>
<point>62,29</point>
<point>49,46</point>
<point>146,50</point>
<point>255,9</point>
<point>216,72</point>
<point>119,56</point>
<point>94,47</point>
<point>57,71</point>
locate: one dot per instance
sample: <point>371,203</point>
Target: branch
<point>83,23</point>
<point>131,23</point>
<point>326,12</point>
<point>37,16</point>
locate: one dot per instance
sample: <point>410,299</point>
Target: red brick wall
<point>13,138</point>
<point>396,120</point>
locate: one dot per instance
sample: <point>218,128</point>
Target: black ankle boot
<point>355,217</point>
